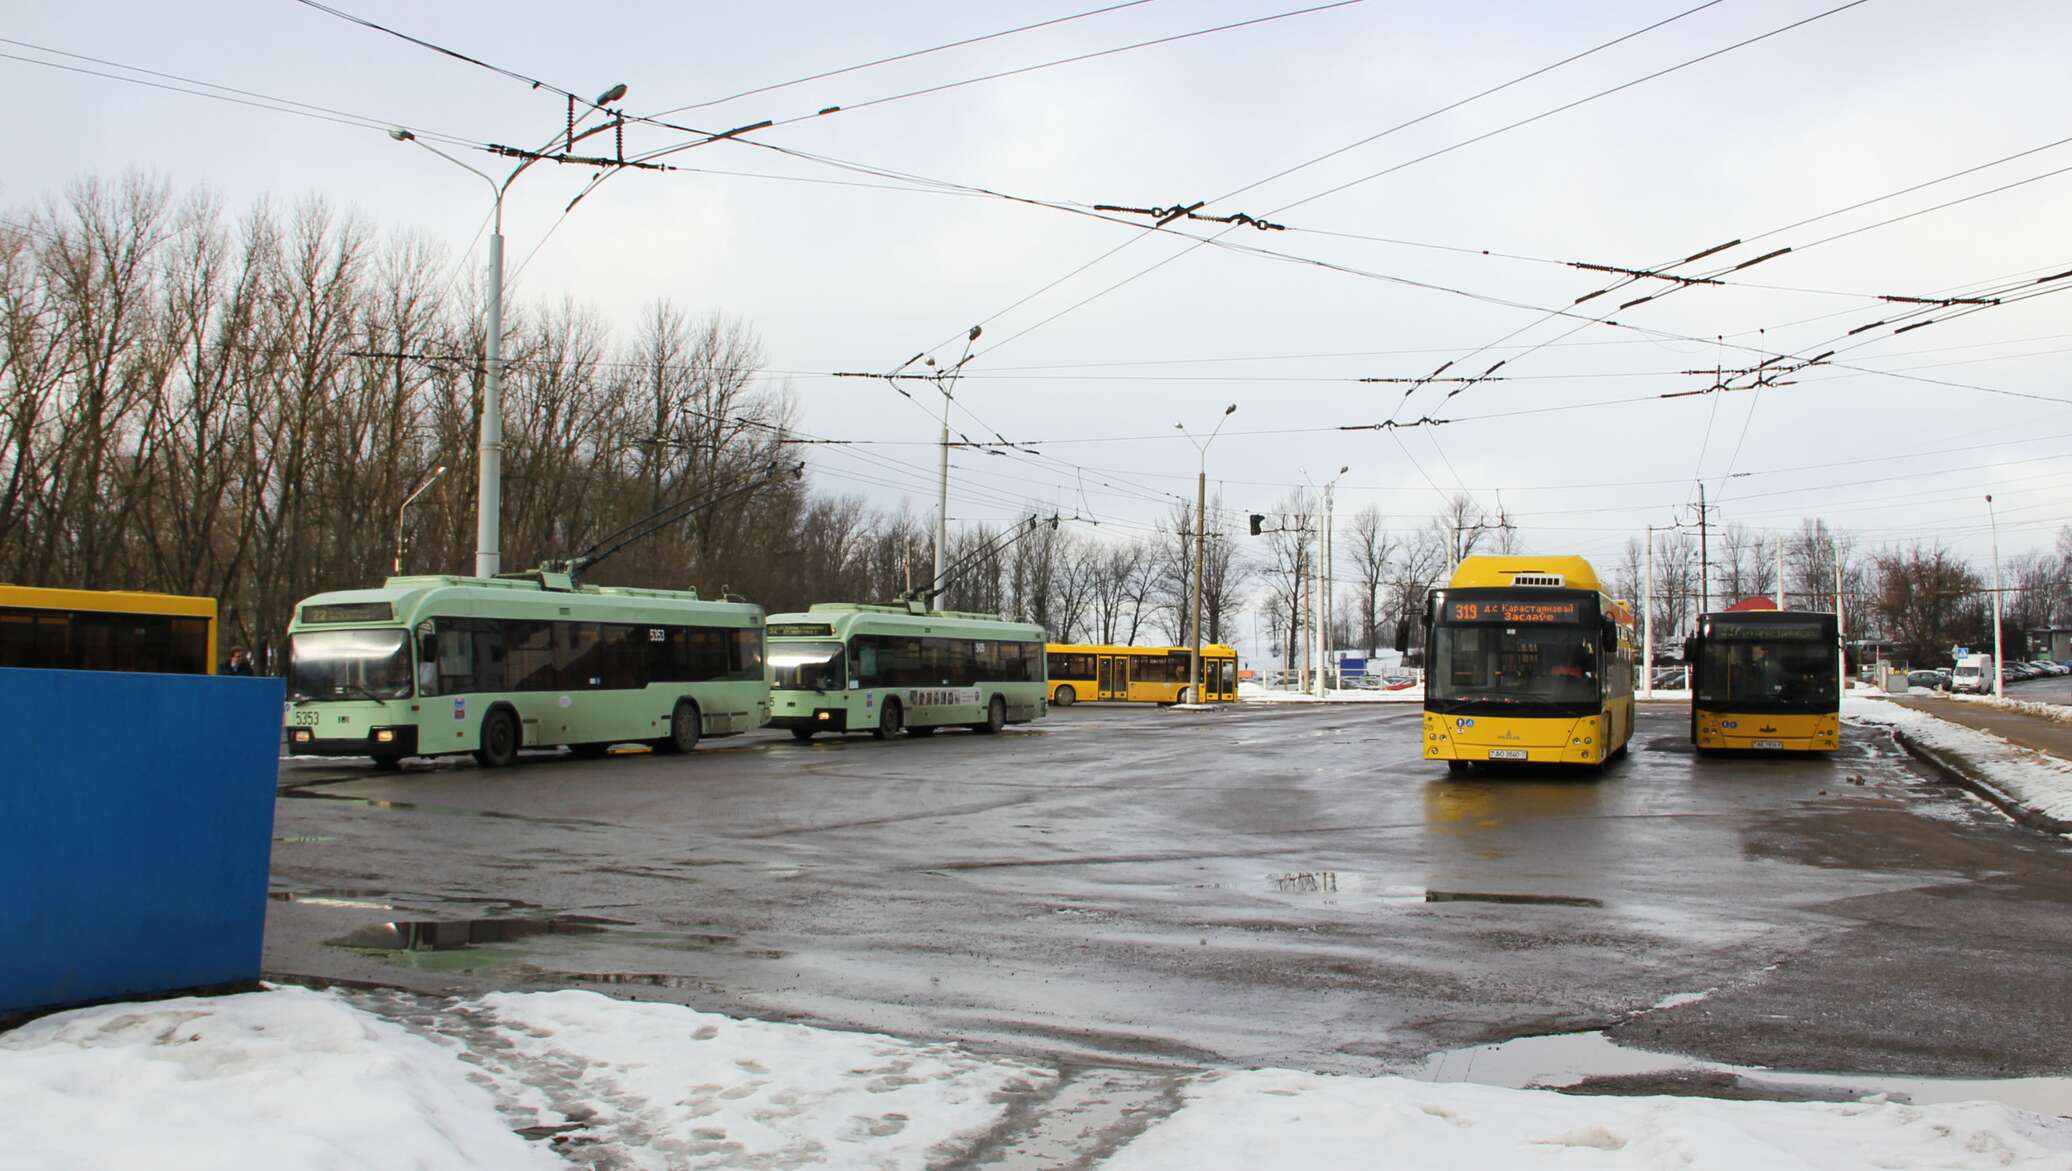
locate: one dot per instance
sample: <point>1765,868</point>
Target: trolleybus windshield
<point>808,666</point>
<point>349,664</point>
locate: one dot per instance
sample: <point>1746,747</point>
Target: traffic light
<point>1257,520</point>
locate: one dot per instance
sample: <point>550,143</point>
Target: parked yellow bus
<point>1766,679</point>
<point>1530,660</point>
<point>1141,674</point>
<point>107,630</point>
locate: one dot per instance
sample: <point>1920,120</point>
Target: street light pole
<point>1201,528</point>
<point>407,502</point>
<point>1999,675</point>
<point>490,475</point>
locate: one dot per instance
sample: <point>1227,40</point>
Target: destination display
<point>1769,631</point>
<point>1514,610</point>
<point>801,630</point>
<point>349,612</point>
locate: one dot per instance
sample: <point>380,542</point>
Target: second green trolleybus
<point>864,667</point>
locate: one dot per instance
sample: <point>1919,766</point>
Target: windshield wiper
<point>367,693</point>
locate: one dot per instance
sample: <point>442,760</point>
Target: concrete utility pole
<point>1780,573</point>
<point>490,443</point>
<point>1647,620</point>
<point>1201,526</point>
<point>946,382</point>
<point>1999,676</point>
<point>1704,557</point>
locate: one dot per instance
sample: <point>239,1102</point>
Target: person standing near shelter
<point>240,662</point>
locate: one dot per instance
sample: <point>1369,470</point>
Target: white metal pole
<point>942,500</point>
<point>1647,622</point>
<point>490,485</point>
<point>1201,504</point>
<point>1326,587</point>
<point>1780,573</point>
<point>1841,629</point>
<point>1999,675</point>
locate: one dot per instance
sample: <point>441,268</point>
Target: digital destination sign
<point>1513,610</point>
<point>801,630</point>
<point>349,612</point>
<point>1768,631</point>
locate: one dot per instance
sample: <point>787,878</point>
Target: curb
<point>1957,774</point>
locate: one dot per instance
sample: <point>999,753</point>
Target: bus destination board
<point>801,630</point>
<point>1768,631</point>
<point>1519,611</point>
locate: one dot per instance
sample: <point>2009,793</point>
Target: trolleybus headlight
<point>820,715</point>
<point>385,736</point>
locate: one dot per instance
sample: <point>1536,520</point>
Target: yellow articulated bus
<point>1766,679</point>
<point>107,630</point>
<point>1530,660</point>
<point>1143,674</point>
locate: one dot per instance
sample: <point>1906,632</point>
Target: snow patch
<point>2035,780</point>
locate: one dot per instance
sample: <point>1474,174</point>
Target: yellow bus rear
<point>1528,660</point>
<point>1766,680</point>
<point>107,630</point>
<point>1137,674</point>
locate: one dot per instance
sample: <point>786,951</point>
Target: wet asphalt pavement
<point>1258,886</point>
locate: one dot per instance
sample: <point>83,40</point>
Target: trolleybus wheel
<point>683,728</point>
<point>888,720</point>
<point>499,741</point>
<point>802,734</point>
<point>1456,767</point>
<point>996,717</point>
<point>1065,697</point>
<point>925,730</point>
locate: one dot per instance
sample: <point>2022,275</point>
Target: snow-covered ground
<point>2034,780</point>
<point>2049,711</point>
<point>1254,693</point>
<point>291,1078</point>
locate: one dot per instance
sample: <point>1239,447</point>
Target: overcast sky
<point>838,270</point>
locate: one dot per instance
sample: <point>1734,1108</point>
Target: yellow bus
<point>107,630</point>
<point>1529,660</point>
<point>1142,674</point>
<point>1766,679</point>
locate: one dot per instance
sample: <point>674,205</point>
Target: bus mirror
<point>1690,649</point>
<point>1402,635</point>
<point>1611,635</point>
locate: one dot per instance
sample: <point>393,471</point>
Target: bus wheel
<point>926,730</point>
<point>388,764</point>
<point>1456,767</point>
<point>1065,697</point>
<point>888,720</point>
<point>683,728</point>
<point>499,741</point>
<point>996,717</point>
<point>802,734</point>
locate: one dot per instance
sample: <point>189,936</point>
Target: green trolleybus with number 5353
<point>429,666</point>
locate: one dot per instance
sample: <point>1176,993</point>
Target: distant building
<point>2051,642</point>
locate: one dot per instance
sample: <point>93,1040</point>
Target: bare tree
<point>1374,554</point>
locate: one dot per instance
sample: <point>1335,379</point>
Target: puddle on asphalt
<point>356,900</point>
<point>452,935</point>
<point>1333,882</point>
<point>1466,896</point>
<point>1591,1062</point>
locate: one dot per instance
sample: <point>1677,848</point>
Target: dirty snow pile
<point>2048,711</point>
<point>1266,1120</point>
<point>1253,693</point>
<point>2035,780</point>
<point>291,1078</point>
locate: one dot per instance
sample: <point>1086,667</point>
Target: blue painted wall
<point>136,824</point>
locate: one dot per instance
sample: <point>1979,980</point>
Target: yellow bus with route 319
<point>1529,660</point>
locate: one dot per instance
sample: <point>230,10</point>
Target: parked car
<point>1930,680</point>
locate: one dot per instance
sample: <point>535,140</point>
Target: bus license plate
<point>1769,744</point>
<point>1507,754</point>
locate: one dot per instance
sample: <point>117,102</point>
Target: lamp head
<point>1231,409</point>
<point>401,135</point>
<point>611,95</point>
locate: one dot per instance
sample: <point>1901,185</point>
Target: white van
<point>1974,673</point>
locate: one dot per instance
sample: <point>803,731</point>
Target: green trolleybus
<point>857,667</point>
<point>429,666</point>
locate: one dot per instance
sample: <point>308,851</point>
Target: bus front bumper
<point>379,741</point>
<point>1502,739</point>
<point>1769,733</point>
<point>825,719</point>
